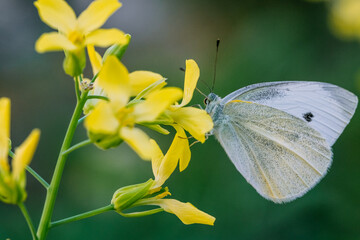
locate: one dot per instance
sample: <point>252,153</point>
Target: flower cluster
<point>141,98</point>
<point>118,105</point>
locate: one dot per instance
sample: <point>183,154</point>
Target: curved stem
<point>82,215</point>
<point>37,177</point>
<point>77,146</point>
<point>32,172</point>
<point>82,119</point>
<point>60,164</point>
<point>141,214</point>
<point>28,220</point>
<point>98,97</point>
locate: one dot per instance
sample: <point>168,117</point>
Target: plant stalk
<point>28,220</point>
<point>82,216</point>
<point>60,164</point>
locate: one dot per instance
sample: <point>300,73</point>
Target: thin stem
<point>95,77</point>
<point>37,177</point>
<point>32,172</point>
<point>77,88</point>
<point>141,214</point>
<point>28,220</point>
<point>59,168</point>
<point>81,119</point>
<point>77,146</point>
<point>98,97</point>
<point>82,216</point>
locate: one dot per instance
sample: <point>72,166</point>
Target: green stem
<point>37,177</point>
<point>81,119</point>
<point>28,220</point>
<point>60,164</point>
<point>98,97</point>
<point>77,146</point>
<point>82,215</point>
<point>77,88</point>
<point>32,172</point>
<point>141,214</point>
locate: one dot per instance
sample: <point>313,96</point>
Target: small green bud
<point>104,141</point>
<point>124,197</point>
<point>12,192</point>
<point>117,50</point>
<point>74,62</point>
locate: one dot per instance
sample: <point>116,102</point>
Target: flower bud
<point>74,62</point>
<point>104,141</point>
<point>124,197</point>
<point>117,50</point>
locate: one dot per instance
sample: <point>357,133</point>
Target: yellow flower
<point>116,118</point>
<point>74,33</point>
<point>152,193</point>
<point>163,167</point>
<point>196,121</point>
<point>12,182</point>
<point>137,80</point>
<point>345,18</point>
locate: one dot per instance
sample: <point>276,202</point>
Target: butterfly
<point>279,134</point>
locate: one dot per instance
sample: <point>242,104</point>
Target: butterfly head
<point>210,98</point>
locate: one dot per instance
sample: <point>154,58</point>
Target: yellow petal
<point>4,132</point>
<point>24,153</point>
<point>184,154</point>
<point>179,150</point>
<point>192,74</point>
<point>95,59</point>
<point>156,103</point>
<point>139,80</point>
<point>106,37</point>
<point>97,14</point>
<point>53,41</point>
<point>114,79</point>
<point>138,141</point>
<point>57,14</point>
<point>196,121</point>
<point>156,158</point>
<point>102,119</point>
<point>186,212</point>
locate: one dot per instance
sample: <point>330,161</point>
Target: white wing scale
<point>330,106</point>
<point>267,148</point>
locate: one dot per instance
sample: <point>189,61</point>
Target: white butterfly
<point>279,134</point>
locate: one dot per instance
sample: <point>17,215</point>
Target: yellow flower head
<point>345,18</point>
<point>74,33</point>
<point>118,117</point>
<point>12,182</point>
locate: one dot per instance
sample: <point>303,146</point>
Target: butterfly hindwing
<point>266,146</point>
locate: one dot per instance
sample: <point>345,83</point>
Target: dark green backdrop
<point>261,41</point>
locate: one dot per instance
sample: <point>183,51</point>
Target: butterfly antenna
<point>216,57</point>
<point>201,92</point>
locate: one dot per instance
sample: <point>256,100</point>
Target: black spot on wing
<point>308,116</point>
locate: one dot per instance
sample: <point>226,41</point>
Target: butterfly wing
<point>267,148</point>
<point>326,107</point>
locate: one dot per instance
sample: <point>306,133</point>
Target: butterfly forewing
<point>278,154</point>
<point>325,107</point>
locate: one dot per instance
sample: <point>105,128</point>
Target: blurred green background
<point>262,40</point>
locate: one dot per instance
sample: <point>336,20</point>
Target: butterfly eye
<point>206,101</point>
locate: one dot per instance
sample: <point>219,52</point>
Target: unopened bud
<point>124,197</point>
